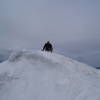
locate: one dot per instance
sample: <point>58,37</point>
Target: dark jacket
<point>48,47</point>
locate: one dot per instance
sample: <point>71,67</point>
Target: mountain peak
<point>40,75</point>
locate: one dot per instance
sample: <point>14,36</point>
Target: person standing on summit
<point>48,47</point>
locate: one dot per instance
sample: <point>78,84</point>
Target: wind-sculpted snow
<point>47,76</point>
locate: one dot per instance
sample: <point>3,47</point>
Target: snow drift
<point>45,76</point>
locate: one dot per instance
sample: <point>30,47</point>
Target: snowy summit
<point>47,76</point>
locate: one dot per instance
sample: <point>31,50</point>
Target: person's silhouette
<point>48,47</point>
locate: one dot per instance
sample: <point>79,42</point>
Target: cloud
<point>71,25</point>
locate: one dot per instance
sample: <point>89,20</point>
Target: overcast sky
<point>73,26</point>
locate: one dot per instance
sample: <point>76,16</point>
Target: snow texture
<point>47,76</point>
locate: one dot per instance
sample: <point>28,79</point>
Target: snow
<point>40,75</point>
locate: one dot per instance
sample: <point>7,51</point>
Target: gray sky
<point>73,26</point>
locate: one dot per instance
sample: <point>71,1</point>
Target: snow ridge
<point>40,75</point>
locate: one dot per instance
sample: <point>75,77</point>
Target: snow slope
<point>45,76</point>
